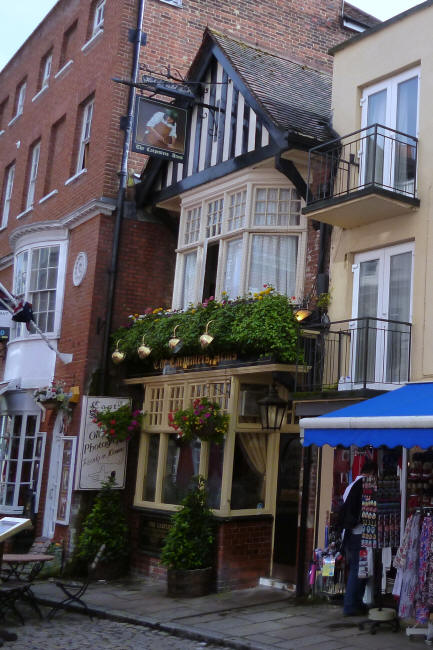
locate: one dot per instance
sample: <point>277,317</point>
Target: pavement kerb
<point>175,629</point>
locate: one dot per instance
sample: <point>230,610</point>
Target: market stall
<point>396,429</point>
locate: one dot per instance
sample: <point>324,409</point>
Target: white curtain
<point>255,449</point>
<point>188,287</point>
<point>232,277</point>
<point>406,120</point>
<point>273,261</point>
<point>399,310</point>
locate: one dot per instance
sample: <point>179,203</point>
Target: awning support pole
<point>404,459</point>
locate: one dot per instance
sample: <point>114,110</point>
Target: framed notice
<point>159,129</point>
<point>98,457</point>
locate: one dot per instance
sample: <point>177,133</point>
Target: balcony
<point>361,353</point>
<point>362,177</point>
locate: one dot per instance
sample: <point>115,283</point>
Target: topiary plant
<point>105,524</point>
<point>189,542</point>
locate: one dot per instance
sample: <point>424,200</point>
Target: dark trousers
<point>355,587</point>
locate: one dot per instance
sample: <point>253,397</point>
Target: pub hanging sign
<point>159,129</point>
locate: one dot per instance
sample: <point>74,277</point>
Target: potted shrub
<point>188,547</point>
<point>106,524</point>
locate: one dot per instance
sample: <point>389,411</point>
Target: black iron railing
<point>375,156</point>
<point>354,354</point>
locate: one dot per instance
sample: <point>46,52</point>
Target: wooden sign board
<point>98,457</point>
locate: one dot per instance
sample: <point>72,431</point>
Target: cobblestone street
<point>76,632</point>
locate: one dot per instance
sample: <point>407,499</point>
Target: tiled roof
<point>297,98</point>
<point>358,16</point>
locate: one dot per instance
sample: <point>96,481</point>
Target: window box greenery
<point>258,325</point>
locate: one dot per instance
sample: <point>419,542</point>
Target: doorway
<point>287,507</point>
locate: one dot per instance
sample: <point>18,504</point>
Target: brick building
<point>68,240</point>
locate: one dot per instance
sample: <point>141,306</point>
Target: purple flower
<point>130,427</point>
<point>134,423</point>
<point>207,415</point>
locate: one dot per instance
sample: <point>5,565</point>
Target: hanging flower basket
<point>120,424</point>
<point>203,420</point>
<point>53,397</point>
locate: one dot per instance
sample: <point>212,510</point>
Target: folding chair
<point>74,591</point>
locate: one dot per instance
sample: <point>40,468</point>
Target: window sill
<point>42,90</point>
<point>92,39</point>
<point>26,211</point>
<point>52,336</point>
<point>76,176</point>
<point>62,71</point>
<point>14,119</point>
<point>2,131</point>
<point>48,196</point>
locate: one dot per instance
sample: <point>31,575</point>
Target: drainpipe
<point>123,174</point>
<point>303,520</point>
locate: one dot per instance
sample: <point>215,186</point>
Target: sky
<point>20,17</point>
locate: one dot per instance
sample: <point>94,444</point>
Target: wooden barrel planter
<point>189,583</point>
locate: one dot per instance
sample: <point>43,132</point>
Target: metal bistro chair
<point>74,591</point>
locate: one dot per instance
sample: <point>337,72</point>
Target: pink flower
<point>207,415</point>
<point>149,310</point>
<point>130,427</point>
<point>134,423</point>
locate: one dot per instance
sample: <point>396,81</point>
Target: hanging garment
<point>410,575</point>
<point>424,571</point>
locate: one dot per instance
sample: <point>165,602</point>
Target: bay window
<point>234,239</point>
<point>38,279</point>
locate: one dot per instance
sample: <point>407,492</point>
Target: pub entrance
<point>287,507</point>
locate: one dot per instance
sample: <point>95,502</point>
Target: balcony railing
<point>375,157</point>
<point>355,354</point>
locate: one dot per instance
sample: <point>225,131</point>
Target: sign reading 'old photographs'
<point>98,457</point>
<point>159,129</point>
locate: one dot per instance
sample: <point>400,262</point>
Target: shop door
<point>287,506</point>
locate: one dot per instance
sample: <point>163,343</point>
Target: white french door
<point>381,309</point>
<point>388,159</point>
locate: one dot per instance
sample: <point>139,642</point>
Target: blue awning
<point>400,417</point>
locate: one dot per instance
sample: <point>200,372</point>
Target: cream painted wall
<point>400,46</point>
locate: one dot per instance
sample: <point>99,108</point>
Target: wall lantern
<point>302,313</point>
<point>272,410</point>
<point>205,339</point>
<point>175,344</point>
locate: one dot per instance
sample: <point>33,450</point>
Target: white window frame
<point>249,183</point>
<point>391,86</point>
<point>98,18</point>
<point>8,195</point>
<point>383,255</point>
<point>85,133</point>
<point>48,61</point>
<point>21,98</point>
<point>73,440</point>
<point>34,165</point>
<point>15,508</point>
<point>20,330</point>
<point>175,3</point>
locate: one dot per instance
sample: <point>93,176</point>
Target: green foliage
<point>258,325</point>
<point>202,420</point>
<point>189,542</point>
<point>105,524</point>
<point>323,301</point>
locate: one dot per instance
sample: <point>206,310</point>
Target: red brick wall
<point>243,552</point>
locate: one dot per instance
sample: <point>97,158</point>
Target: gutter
<point>120,202</point>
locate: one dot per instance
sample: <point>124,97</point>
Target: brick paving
<point>73,632</point>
